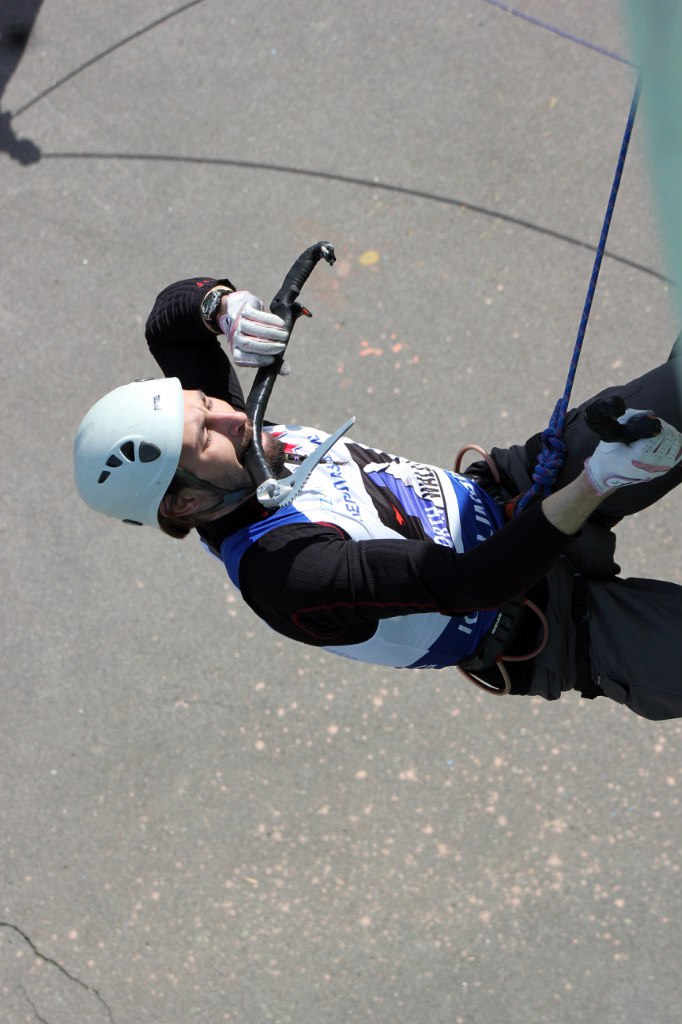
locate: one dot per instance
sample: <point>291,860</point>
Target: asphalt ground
<point>202,822</point>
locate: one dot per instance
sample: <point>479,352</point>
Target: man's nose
<point>230,422</point>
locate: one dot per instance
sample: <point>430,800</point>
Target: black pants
<point>635,627</point>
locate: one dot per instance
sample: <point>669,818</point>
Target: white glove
<point>255,335</point>
<point>616,464</point>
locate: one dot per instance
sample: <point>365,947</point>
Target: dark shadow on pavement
<point>17,18</point>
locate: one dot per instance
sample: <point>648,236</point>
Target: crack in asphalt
<point>32,1005</point>
<point>375,185</point>
<point>105,53</point>
<point>55,963</point>
<point>34,156</point>
<point>194,3</point>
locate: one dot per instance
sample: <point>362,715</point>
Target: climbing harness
<point>491,654</point>
<point>486,667</point>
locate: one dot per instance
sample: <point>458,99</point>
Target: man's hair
<point>177,527</point>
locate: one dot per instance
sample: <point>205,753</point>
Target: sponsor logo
<point>481,516</point>
<point>438,525</point>
<point>419,488</point>
<point>428,483</point>
<point>341,485</point>
<point>468,623</point>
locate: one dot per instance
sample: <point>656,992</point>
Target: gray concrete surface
<point>202,822</point>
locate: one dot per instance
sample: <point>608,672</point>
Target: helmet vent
<point>128,451</point>
<point>149,452</point>
<point>103,476</point>
<point>113,461</point>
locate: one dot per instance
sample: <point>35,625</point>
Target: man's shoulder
<point>287,523</point>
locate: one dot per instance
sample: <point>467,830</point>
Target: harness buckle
<point>490,653</point>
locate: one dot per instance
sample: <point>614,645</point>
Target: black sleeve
<point>313,584</point>
<point>185,347</point>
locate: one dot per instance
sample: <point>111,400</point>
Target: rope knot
<point>550,461</point>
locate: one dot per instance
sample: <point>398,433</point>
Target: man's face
<point>214,439</point>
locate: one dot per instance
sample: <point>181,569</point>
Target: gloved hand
<point>256,337</point>
<point>615,464</point>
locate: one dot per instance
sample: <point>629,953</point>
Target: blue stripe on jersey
<point>480,515</point>
<point>233,547</point>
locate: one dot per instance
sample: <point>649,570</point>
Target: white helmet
<point>128,447</point>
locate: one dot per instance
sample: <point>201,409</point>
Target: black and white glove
<point>256,336</point>
<point>618,464</point>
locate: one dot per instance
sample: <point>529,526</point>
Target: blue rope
<point>558,31</point>
<point>553,454</point>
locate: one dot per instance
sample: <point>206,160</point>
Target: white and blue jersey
<point>370,495</point>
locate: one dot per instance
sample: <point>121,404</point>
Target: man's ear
<point>186,502</point>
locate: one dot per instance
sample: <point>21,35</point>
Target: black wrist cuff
<point>178,305</point>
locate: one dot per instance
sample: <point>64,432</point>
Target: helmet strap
<point>226,497</point>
